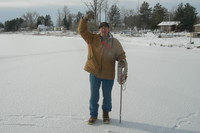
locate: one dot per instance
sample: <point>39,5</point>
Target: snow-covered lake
<point>44,89</point>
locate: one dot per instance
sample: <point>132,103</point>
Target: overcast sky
<point>11,9</point>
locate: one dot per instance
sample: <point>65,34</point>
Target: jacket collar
<point>109,37</point>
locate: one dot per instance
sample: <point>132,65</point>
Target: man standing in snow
<point>103,52</point>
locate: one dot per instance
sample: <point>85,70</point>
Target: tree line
<point>145,17</point>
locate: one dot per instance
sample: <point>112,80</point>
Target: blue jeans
<point>95,84</point>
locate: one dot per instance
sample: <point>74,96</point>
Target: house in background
<point>169,26</point>
<point>196,32</point>
<point>1,29</point>
<point>42,27</point>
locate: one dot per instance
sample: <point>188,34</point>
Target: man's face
<point>104,31</point>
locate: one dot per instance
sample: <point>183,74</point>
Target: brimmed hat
<point>105,24</point>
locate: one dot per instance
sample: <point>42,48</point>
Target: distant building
<point>42,27</point>
<point>1,29</point>
<point>197,28</point>
<point>57,28</point>
<point>196,32</point>
<point>169,26</point>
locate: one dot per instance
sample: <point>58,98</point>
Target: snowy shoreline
<point>180,40</point>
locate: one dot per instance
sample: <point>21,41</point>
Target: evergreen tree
<point>1,25</point>
<point>179,13</point>
<point>145,15</point>
<point>69,22</point>
<point>40,20</point>
<point>190,17</point>
<point>14,24</point>
<point>159,14</point>
<point>65,23</point>
<point>48,21</point>
<point>44,20</point>
<point>114,16</point>
<point>78,16</point>
<point>187,15</point>
<point>65,18</point>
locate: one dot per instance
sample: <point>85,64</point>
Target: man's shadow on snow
<point>148,127</point>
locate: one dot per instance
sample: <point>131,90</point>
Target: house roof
<point>197,25</point>
<point>169,23</point>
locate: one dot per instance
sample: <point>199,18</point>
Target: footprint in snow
<point>109,131</point>
<point>2,120</point>
<point>186,120</point>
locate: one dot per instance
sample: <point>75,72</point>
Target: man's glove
<point>89,15</point>
<point>122,70</point>
<point>122,63</point>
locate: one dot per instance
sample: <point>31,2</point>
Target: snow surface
<point>44,89</point>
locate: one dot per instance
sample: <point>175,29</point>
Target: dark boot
<point>92,120</point>
<point>106,119</point>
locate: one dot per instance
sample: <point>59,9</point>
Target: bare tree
<point>126,13</point>
<point>106,8</point>
<point>101,6</point>
<point>59,19</point>
<point>64,17</point>
<point>30,19</point>
<point>66,11</point>
<point>96,7</point>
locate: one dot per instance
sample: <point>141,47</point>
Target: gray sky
<point>11,9</point>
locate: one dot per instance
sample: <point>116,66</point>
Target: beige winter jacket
<point>102,54</point>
